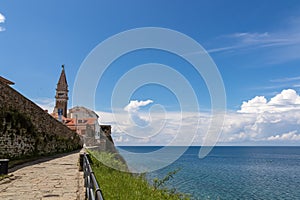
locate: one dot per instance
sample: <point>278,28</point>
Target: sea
<point>229,173</point>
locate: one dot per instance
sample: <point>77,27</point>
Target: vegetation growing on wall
<point>19,138</point>
<point>26,130</point>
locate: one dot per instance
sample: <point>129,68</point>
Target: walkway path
<point>58,178</point>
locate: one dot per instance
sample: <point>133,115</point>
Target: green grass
<point>116,184</point>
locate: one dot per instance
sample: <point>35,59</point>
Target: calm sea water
<point>235,172</point>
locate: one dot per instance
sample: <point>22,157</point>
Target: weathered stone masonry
<point>27,130</point>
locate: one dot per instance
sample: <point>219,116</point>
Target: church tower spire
<point>62,94</point>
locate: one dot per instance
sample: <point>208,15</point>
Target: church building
<point>79,119</point>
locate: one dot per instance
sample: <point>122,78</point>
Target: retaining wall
<point>27,130</point>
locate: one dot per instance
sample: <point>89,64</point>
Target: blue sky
<point>254,44</point>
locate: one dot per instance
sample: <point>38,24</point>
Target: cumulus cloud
<point>2,20</point>
<point>256,105</point>
<point>287,100</point>
<point>259,121</point>
<point>292,135</point>
<point>135,105</point>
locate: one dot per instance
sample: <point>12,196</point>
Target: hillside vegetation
<point>116,184</point>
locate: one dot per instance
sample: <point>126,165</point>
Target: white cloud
<point>259,121</point>
<point>135,105</point>
<point>162,129</point>
<point>2,18</point>
<point>287,79</point>
<point>256,105</point>
<point>45,103</point>
<point>292,135</point>
<point>280,46</point>
<point>287,100</point>
<point>247,40</point>
<point>262,39</point>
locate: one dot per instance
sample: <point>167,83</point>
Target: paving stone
<point>54,179</point>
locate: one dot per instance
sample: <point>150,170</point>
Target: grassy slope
<point>121,185</point>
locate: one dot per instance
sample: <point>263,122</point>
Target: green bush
<point>121,185</point>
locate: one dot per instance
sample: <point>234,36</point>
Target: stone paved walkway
<point>58,178</point>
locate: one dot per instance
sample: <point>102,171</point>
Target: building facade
<point>83,117</point>
<point>80,119</point>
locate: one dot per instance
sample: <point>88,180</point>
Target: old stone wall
<point>26,130</point>
<point>109,143</point>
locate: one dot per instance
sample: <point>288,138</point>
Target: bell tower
<point>61,104</point>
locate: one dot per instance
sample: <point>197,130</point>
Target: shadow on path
<point>56,177</point>
<point>38,160</point>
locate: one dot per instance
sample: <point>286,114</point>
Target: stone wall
<point>26,130</point>
<point>109,143</point>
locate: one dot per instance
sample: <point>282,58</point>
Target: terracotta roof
<point>4,80</point>
<point>55,115</point>
<point>70,122</point>
<point>90,121</point>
